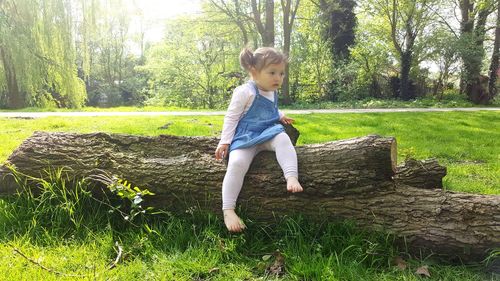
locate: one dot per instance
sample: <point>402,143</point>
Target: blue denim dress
<point>259,124</point>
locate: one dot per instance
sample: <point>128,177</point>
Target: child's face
<point>270,77</point>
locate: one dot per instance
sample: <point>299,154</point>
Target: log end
<point>8,183</point>
<point>422,174</point>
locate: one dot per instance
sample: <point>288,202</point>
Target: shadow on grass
<point>195,245</point>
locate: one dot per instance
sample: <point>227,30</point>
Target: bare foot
<point>233,222</point>
<point>293,185</point>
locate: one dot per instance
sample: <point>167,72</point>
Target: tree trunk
<point>495,56</point>
<point>340,22</point>
<point>265,30</point>
<point>466,27</point>
<point>269,23</point>
<point>405,76</point>
<point>15,98</point>
<point>473,33</point>
<point>285,87</point>
<point>349,179</point>
<point>288,19</point>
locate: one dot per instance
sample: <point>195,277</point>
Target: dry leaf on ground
<point>423,270</point>
<point>278,267</point>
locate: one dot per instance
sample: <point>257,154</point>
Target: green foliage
<point>106,61</point>
<point>123,190</point>
<point>404,26</point>
<point>346,84</point>
<point>54,52</point>
<point>37,55</point>
<point>200,74</point>
<point>471,53</point>
<point>341,23</point>
<point>67,53</point>
<point>48,209</point>
<point>56,206</point>
<point>311,62</point>
<point>372,61</point>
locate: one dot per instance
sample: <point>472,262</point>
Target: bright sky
<point>157,11</point>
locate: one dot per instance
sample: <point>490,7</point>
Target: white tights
<point>240,160</point>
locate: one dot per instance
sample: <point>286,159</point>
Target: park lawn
<point>196,246</point>
<point>106,109</point>
<point>468,143</point>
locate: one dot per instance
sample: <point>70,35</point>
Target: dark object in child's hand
<point>292,133</point>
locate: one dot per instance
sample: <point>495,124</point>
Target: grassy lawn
<point>80,239</point>
<point>104,109</point>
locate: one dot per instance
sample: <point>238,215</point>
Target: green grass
<point>101,109</point>
<point>203,259</point>
<point>468,144</point>
<point>65,230</point>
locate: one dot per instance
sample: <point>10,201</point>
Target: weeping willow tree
<point>37,55</point>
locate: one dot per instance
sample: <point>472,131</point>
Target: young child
<point>251,125</point>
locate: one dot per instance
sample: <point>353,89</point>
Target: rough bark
<point>404,89</point>
<point>495,58</point>
<point>331,168</point>
<point>473,31</point>
<point>266,29</point>
<point>289,12</point>
<point>404,48</point>
<point>421,174</point>
<point>353,179</point>
<point>15,98</point>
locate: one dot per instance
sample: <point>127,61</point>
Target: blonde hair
<point>261,58</point>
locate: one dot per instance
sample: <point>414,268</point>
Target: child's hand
<point>221,151</point>
<point>286,120</point>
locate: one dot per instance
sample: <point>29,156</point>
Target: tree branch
<point>44,267</point>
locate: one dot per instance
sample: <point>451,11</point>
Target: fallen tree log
<point>354,179</point>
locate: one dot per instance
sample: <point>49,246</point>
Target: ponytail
<point>247,60</point>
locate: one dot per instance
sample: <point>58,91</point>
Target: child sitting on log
<point>251,125</point>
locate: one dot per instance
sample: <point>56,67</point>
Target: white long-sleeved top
<point>242,99</point>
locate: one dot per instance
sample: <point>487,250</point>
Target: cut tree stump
<point>353,179</point>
